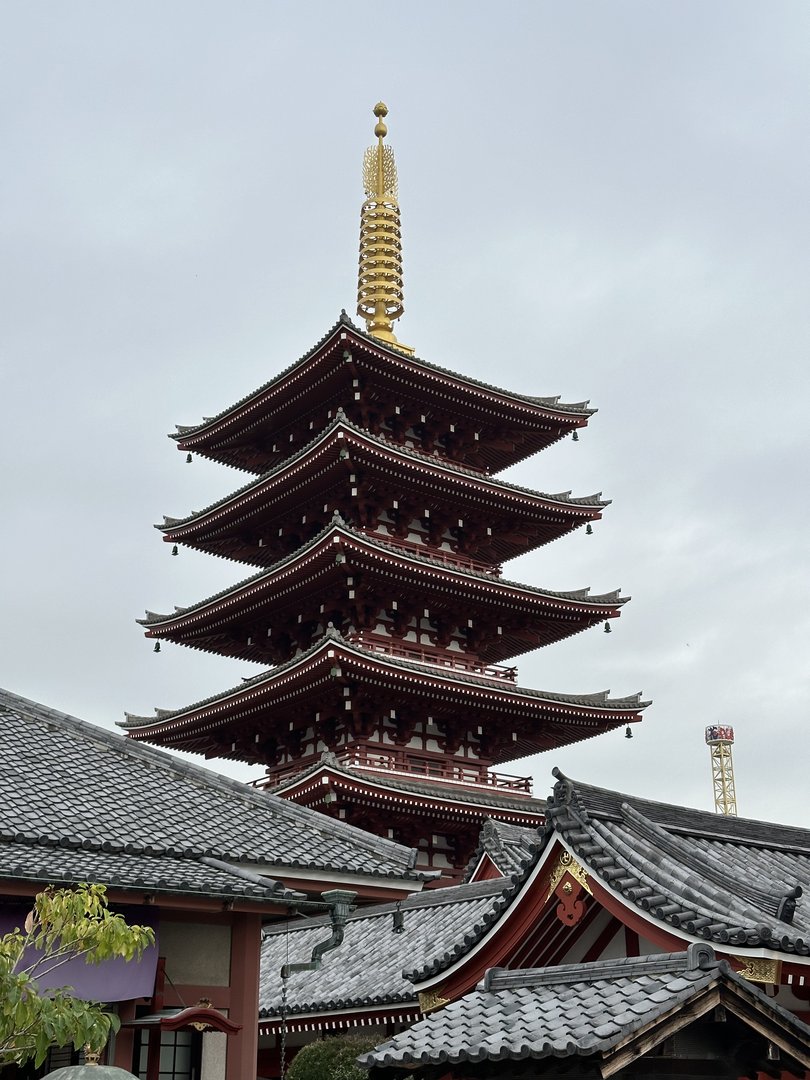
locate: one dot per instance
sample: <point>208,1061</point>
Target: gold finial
<point>379,284</point>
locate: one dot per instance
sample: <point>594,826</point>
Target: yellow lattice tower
<point>380,298</point>
<point>719,741</point>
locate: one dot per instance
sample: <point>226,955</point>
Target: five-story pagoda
<point>385,629</point>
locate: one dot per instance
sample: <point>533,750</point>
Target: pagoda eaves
<point>387,389</point>
<point>357,583</point>
<point>347,692</point>
<point>349,470</point>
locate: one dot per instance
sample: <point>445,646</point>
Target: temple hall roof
<point>510,848</point>
<point>735,882</point>
<point>586,1011</point>
<point>78,802</point>
<point>369,967</point>
<point>444,928</point>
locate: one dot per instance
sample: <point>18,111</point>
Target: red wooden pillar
<point>125,1039</point>
<point>244,1007</point>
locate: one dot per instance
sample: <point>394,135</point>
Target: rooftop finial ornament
<point>379,282</point>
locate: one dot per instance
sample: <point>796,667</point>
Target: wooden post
<point>244,1009</point>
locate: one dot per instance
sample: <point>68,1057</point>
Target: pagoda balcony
<point>436,658</point>
<point>413,765</point>
<point>451,558</point>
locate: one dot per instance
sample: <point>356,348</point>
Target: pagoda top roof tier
<point>300,582</point>
<point>365,375</point>
<point>342,445</point>
<point>537,720</point>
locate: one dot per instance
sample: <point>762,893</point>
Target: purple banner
<point>112,980</point>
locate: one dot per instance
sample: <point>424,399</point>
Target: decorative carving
<point>567,864</point>
<point>563,790</point>
<point>760,969</point>
<point>200,1025</point>
<point>431,1000</point>
<point>570,908</point>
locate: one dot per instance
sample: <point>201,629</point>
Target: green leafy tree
<point>331,1059</point>
<point>64,923</point>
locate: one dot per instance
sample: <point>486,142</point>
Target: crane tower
<point>719,741</point>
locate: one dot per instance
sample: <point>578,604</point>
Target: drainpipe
<point>340,904</point>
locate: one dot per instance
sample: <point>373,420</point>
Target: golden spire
<point>379,282</point>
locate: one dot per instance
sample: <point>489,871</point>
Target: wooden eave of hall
<point>350,685</point>
<point>347,579</point>
<point>476,423</point>
<point>348,469</point>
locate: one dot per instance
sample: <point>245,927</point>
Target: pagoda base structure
<point>409,749</point>
<point>420,802</point>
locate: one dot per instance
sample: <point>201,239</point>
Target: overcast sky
<point>599,200</point>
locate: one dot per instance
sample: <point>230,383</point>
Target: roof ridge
<point>779,901</point>
<point>414,902</point>
<point>689,820</point>
<point>250,796</point>
<point>698,956</point>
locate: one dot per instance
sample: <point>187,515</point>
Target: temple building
<point>613,887</point>
<point>202,859</point>
<point>387,633</point>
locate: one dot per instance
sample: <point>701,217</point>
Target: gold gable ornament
<point>760,969</point>
<point>567,864</point>
<point>431,1000</point>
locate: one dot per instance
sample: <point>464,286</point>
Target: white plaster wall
<point>214,1052</point>
<point>196,952</point>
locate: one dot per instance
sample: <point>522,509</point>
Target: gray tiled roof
<point>653,854</point>
<point>510,847</point>
<point>730,880</point>
<point>369,967</point>
<point>575,1010</point>
<point>74,792</point>
<point>579,408</point>
<point>39,860</point>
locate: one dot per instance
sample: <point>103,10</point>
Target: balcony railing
<point>414,765</point>
<point>444,658</point>
<point>451,558</point>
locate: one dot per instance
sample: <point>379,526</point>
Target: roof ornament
<point>563,791</point>
<point>398,922</point>
<point>379,283</point>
